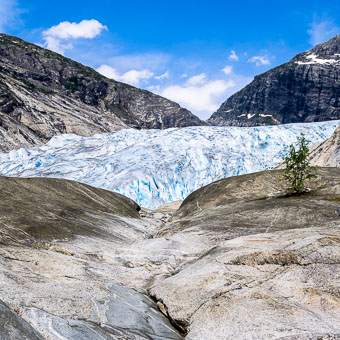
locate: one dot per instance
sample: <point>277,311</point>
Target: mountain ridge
<point>43,94</point>
<point>305,89</point>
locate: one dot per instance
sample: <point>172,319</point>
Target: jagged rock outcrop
<point>327,153</point>
<point>43,94</point>
<point>238,260</point>
<point>306,89</point>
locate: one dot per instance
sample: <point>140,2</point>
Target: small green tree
<point>297,165</point>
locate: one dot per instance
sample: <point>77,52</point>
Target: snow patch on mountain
<point>154,167</point>
<point>314,59</point>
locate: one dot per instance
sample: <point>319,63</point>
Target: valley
<point>80,262</point>
<point>124,216</point>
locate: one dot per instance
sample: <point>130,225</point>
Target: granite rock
<point>238,259</point>
<point>327,153</point>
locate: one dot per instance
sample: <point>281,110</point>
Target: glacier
<point>154,167</point>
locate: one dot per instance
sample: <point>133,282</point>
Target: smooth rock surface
<point>327,153</point>
<point>274,269</point>
<point>66,250</point>
<point>128,314</point>
<point>239,259</point>
<point>282,285</point>
<point>257,203</point>
<point>13,327</point>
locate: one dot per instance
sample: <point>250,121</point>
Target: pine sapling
<point>297,165</point>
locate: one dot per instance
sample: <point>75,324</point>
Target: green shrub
<point>297,165</point>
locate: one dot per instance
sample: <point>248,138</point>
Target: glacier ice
<point>158,166</point>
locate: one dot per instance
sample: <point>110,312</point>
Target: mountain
<point>306,89</point>
<point>154,167</point>
<point>43,94</point>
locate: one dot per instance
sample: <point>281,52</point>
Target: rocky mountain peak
<point>306,89</point>
<point>327,53</point>
<point>329,48</point>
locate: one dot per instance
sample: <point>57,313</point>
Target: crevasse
<point>154,167</point>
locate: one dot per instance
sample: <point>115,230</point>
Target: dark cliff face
<point>306,89</point>
<point>43,94</point>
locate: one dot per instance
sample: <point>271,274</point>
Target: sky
<point>196,53</point>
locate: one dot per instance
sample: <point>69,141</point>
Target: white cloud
<point>199,95</point>
<point>132,77</point>
<point>233,56</point>
<point>227,70</point>
<point>56,45</point>
<point>322,31</point>
<point>85,29</point>
<point>184,75</point>
<point>9,14</point>
<point>108,71</point>
<point>196,80</point>
<point>154,88</point>
<point>57,38</point>
<point>154,61</point>
<point>259,60</point>
<point>165,75</point>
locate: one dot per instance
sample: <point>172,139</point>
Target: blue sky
<point>196,53</point>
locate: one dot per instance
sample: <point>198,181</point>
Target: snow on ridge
<point>154,167</point>
<point>315,60</point>
<point>251,115</point>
